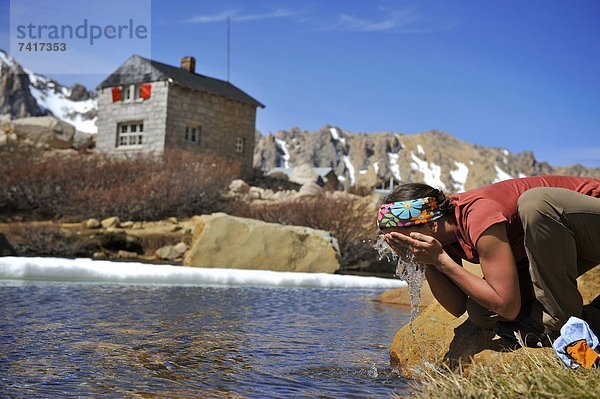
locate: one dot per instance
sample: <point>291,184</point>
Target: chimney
<point>189,64</point>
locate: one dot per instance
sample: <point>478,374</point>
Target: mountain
<point>25,93</point>
<point>370,160</point>
<point>358,159</point>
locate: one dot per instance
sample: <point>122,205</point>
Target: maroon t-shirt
<point>476,210</point>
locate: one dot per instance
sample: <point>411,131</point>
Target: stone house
<point>146,106</point>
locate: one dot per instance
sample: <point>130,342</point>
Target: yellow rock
<point>220,240</point>
<point>112,221</point>
<point>401,296</point>
<point>438,337</point>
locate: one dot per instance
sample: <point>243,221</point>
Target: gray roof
<point>138,69</point>
<point>288,171</point>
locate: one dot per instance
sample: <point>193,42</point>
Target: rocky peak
<point>25,93</point>
<point>15,98</point>
<point>380,159</point>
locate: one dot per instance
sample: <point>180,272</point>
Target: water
<point>407,270</point>
<point>109,340</point>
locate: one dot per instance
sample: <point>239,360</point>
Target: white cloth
<point>574,330</point>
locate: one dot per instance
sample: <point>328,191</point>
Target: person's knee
<point>481,316</point>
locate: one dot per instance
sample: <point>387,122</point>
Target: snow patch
<point>501,175</point>
<point>376,167</point>
<point>393,164</point>
<point>363,171</point>
<point>286,155</point>
<point>350,168</point>
<point>336,135</point>
<point>431,172</point>
<point>420,150</point>
<point>6,59</point>
<point>67,110</point>
<point>505,152</point>
<point>88,270</point>
<point>522,175</point>
<point>459,176</point>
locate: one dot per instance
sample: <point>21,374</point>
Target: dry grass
<point>137,188</point>
<point>49,240</point>
<point>526,373</point>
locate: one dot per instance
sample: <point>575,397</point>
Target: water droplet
<point>407,270</point>
<point>373,372</point>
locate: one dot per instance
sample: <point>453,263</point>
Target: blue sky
<point>523,75</point>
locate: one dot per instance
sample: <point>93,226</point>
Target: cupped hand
<point>426,249</point>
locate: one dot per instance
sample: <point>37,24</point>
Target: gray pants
<point>562,240</point>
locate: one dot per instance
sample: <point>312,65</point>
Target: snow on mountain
<point>6,59</point>
<point>336,136</point>
<point>501,175</point>
<point>431,172</point>
<point>74,105</point>
<point>350,168</point>
<point>459,176</point>
<point>384,159</point>
<point>56,100</point>
<point>286,154</point>
<point>393,164</point>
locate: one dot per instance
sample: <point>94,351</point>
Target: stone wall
<point>222,121</point>
<point>153,113</point>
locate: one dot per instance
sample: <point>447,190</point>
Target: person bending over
<point>532,237</point>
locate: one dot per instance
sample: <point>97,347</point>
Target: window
<point>138,92</point>
<point>130,134</point>
<point>239,144</point>
<point>192,134</point>
<point>127,93</point>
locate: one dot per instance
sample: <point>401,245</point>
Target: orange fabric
<point>116,94</point>
<point>583,354</point>
<point>145,91</point>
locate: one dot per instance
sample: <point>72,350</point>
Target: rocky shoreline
<point>217,240</point>
<point>437,338</point>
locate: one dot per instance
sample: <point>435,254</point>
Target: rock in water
<point>221,240</point>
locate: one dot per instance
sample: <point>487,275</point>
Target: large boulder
<point>82,140</point>
<point>45,131</point>
<point>220,240</point>
<point>436,336</point>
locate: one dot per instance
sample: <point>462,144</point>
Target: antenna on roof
<point>228,47</point>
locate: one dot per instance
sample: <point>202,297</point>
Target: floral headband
<point>408,213</point>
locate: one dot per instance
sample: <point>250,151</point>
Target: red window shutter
<point>145,91</point>
<point>116,94</point>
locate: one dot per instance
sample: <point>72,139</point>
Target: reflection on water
<point>74,340</point>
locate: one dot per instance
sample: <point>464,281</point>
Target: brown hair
<point>411,191</point>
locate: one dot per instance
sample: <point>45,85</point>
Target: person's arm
<point>446,292</point>
<point>499,291</point>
